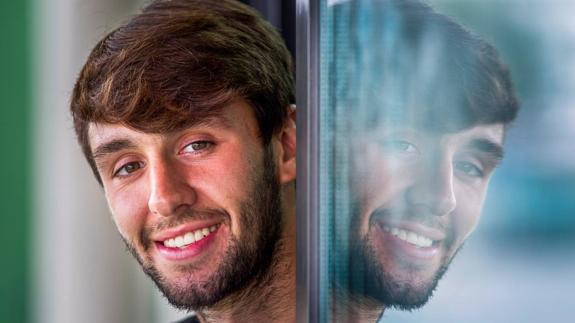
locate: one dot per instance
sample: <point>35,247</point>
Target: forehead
<point>100,133</point>
<point>494,132</point>
<point>486,140</point>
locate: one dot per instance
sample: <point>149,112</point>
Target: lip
<point>405,250</point>
<point>418,228</point>
<point>190,251</point>
<point>185,228</point>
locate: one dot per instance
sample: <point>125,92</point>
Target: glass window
<point>416,105</point>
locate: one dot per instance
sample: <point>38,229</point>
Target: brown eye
<point>128,168</point>
<point>197,146</point>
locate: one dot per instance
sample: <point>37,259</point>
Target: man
<point>185,116</point>
<point>423,107</point>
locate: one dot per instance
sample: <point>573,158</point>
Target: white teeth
<point>410,237</point>
<point>190,237</point>
<point>402,235</point>
<point>424,242</point>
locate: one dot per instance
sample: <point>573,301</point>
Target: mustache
<point>396,214</point>
<point>184,216</point>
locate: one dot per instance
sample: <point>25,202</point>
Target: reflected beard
<point>245,261</point>
<point>371,279</point>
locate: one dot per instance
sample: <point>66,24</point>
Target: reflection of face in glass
<point>420,108</point>
<point>417,197</point>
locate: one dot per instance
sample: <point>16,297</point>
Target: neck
<point>269,299</point>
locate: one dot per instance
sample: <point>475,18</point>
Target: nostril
<point>166,201</point>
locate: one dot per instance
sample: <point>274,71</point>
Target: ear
<point>287,151</point>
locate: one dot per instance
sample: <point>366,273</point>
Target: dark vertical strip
<point>281,14</point>
<point>14,160</point>
<point>307,99</point>
<point>288,24</point>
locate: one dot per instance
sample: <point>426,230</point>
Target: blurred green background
<point>14,166</point>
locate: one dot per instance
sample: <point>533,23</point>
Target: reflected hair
<point>402,61</point>
<point>182,60</point>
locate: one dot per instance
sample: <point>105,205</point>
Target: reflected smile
<point>410,237</point>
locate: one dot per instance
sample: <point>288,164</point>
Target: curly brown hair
<point>180,60</point>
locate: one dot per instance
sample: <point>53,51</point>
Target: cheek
<point>372,174</point>
<point>225,183</point>
<point>378,182</point>
<point>129,209</point>
<point>233,165</point>
<point>468,211</point>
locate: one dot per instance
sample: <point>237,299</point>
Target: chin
<point>391,282</point>
<point>407,293</point>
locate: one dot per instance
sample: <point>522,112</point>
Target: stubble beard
<point>370,279</point>
<point>245,262</point>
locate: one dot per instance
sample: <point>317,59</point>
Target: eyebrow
<point>111,147</point>
<point>115,145</point>
<point>489,147</point>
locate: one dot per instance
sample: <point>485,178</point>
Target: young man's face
<point>199,208</point>
<point>418,196</point>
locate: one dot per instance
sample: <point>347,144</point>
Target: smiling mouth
<point>417,240</point>
<point>420,232</point>
<point>188,238</point>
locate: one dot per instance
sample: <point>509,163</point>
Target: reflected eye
<point>127,169</point>
<point>468,169</point>
<point>197,146</point>
<point>400,146</point>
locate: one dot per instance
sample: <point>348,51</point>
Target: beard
<point>370,278</point>
<point>247,261</point>
<point>392,281</point>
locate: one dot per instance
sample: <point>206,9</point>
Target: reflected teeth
<point>409,237</point>
<point>190,237</point>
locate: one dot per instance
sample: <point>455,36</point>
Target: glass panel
<point>415,111</point>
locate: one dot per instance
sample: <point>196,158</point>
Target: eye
<point>197,146</point>
<point>401,146</point>
<point>468,169</point>
<point>127,169</point>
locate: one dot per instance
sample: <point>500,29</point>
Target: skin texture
<point>433,184</point>
<point>159,186</point>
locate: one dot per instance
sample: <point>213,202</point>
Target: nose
<point>433,189</point>
<point>169,190</point>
